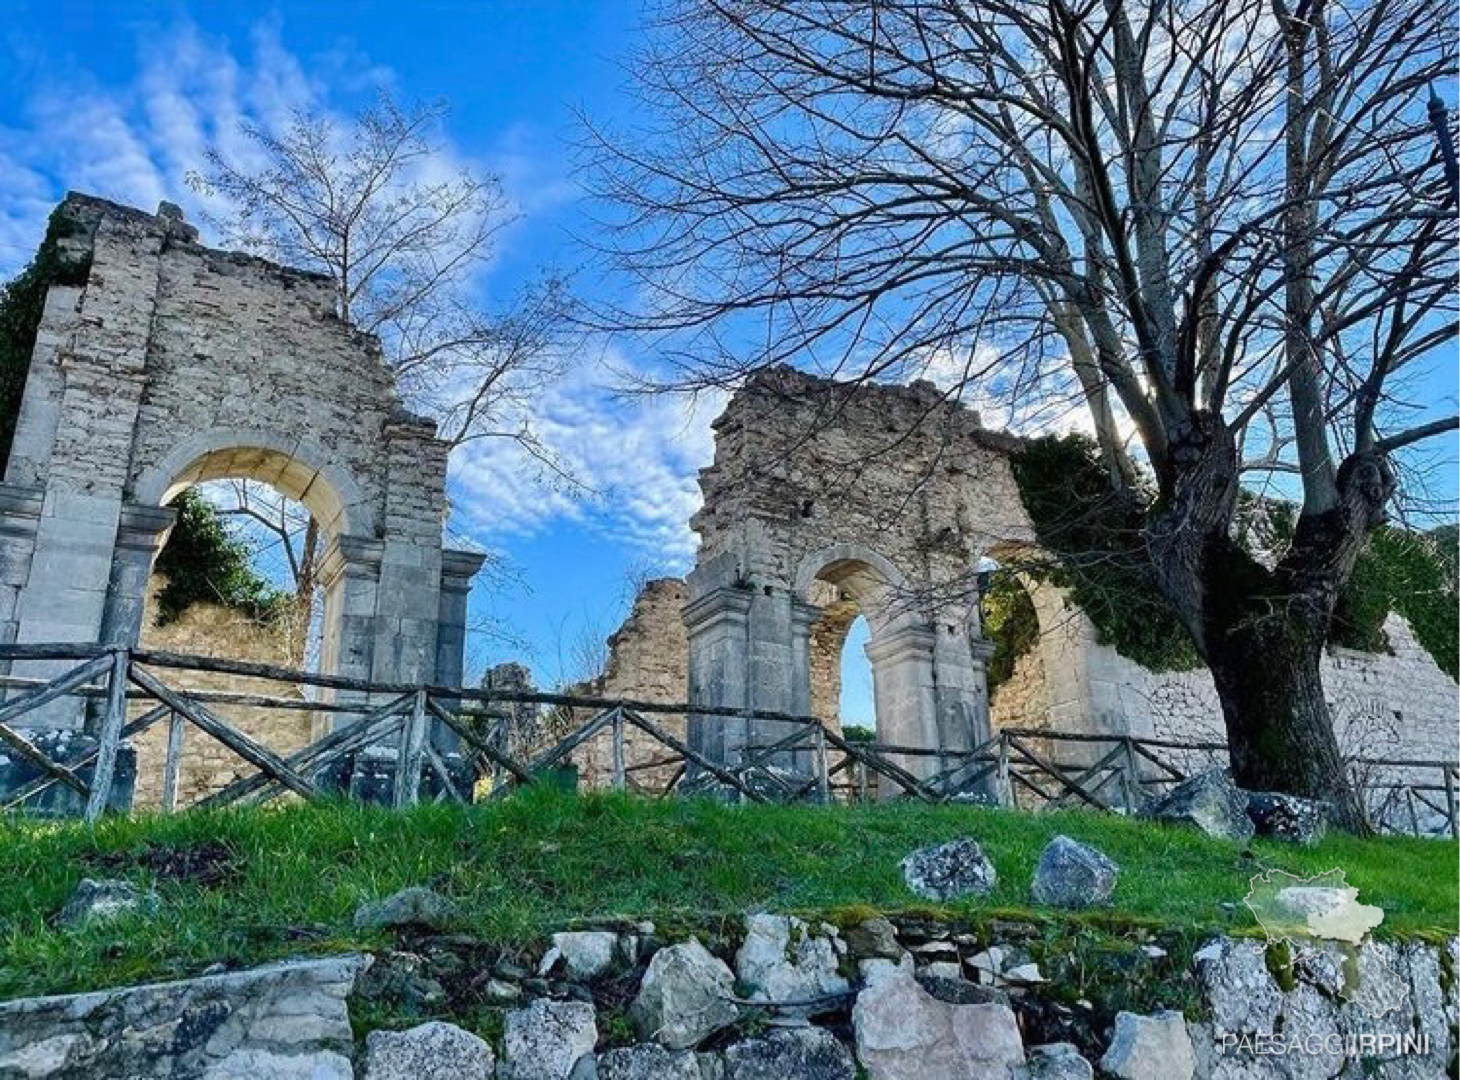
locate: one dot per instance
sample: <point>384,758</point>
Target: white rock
<point>433,1051</point>
<point>684,997</point>
<point>545,1040</point>
<point>782,960</point>
<point>1024,973</point>
<point>904,1033</point>
<point>586,954</point>
<point>1155,1047</point>
<point>648,1061</point>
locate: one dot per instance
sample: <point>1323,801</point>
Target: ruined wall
<point>647,661</point>
<point>207,765</point>
<point>173,363</point>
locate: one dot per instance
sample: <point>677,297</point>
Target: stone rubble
<point>899,1020</point>
<point>684,997</point>
<point>1150,1048</point>
<point>1070,874</point>
<point>1211,802</point>
<point>949,871</point>
<point>432,1051</point>
<point>904,1033</point>
<point>413,906</point>
<point>102,900</point>
<point>1286,817</point>
<point>547,1039</point>
<point>1054,1061</point>
<point>784,960</point>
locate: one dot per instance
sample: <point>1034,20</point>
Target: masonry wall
<point>207,765</point>
<point>1398,705</point>
<point>648,660</point>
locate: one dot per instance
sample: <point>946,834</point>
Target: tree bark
<point>1265,652</point>
<point>1262,630</point>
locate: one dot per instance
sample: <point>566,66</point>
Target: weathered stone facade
<point>890,496</point>
<point>173,364</point>
<point>826,502</point>
<point>647,661</point>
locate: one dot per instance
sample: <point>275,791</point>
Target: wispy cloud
<point>634,464</point>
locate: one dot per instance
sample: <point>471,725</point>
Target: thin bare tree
<point>405,234</point>
<point>1224,226</point>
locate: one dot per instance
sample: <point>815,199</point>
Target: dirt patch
<point>206,865</point>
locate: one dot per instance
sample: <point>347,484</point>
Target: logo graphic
<point>1308,913</point>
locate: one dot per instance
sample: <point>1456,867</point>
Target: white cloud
<point>637,459</point>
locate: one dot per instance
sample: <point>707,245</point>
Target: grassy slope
<point>535,862</point>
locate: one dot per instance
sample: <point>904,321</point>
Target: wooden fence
<point>120,693</point>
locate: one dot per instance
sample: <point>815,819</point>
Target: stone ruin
<point>828,500</point>
<point>171,364</point>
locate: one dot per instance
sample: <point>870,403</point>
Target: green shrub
<point>204,562</point>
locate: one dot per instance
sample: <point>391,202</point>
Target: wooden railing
<point>120,693</point>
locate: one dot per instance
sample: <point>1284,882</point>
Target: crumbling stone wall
<point>207,765</point>
<point>648,660</point>
<point>173,363</point>
<point>890,494</point>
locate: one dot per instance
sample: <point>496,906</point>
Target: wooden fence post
<point>1450,800</point>
<point>1006,787</point>
<point>619,765</point>
<point>1132,781</point>
<point>411,753</point>
<point>172,764</point>
<point>110,736</point>
<point>823,770</point>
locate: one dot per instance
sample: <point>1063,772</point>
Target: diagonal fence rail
<point>453,743</point>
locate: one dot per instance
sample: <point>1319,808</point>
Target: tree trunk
<point>1265,660</point>
<point>1262,630</point>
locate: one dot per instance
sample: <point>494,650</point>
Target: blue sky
<point>120,99</point>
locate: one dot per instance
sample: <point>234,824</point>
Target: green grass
<point>524,866</point>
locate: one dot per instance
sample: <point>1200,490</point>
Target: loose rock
<point>806,1053</point>
<point>414,906</point>
<point>1286,817</point>
<point>433,1051</point>
<point>585,954</point>
<point>1055,1061</point>
<point>684,997</point>
<point>782,961</point>
<point>874,937</point>
<point>648,1061</point>
<point>547,1039</point>
<point>904,1033</point>
<point>1073,875</point>
<point>101,900</point>
<point>1155,1047</point>
<point>949,871</point>
<point>1211,802</point>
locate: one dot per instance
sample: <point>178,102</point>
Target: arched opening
<point>236,576</point>
<point>841,674</point>
<point>1017,684</point>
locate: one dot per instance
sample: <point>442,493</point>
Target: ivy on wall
<point>1010,622</point>
<point>1413,575</point>
<point>203,562</point>
<point>1095,535</point>
<point>22,302</point>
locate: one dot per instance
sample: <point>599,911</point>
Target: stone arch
<point>892,492</point>
<point>170,363</point>
<point>297,466</point>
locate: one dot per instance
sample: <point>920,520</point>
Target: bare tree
<point>1224,225</point>
<point>405,235</point>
